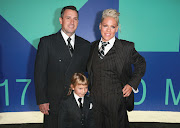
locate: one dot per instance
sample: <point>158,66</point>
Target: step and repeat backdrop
<point>153,25</point>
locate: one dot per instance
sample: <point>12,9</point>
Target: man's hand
<point>44,108</point>
<point>127,90</point>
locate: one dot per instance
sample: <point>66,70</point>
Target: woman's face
<point>108,28</point>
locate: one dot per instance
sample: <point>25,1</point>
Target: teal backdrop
<point>153,25</point>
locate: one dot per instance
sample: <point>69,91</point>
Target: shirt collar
<point>66,37</point>
<point>111,41</point>
<point>77,97</point>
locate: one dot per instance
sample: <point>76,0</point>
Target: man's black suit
<point>54,68</point>
<point>71,116</point>
<point>107,79</point>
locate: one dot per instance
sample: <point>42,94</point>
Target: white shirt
<point>77,97</point>
<point>108,46</point>
<point>65,37</point>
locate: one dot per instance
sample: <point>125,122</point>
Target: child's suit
<point>71,116</point>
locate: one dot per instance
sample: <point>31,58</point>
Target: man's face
<point>108,28</point>
<point>80,90</point>
<point>69,22</point>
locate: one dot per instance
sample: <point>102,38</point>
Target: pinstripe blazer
<point>126,56</point>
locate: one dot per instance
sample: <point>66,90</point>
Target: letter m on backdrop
<point>169,85</point>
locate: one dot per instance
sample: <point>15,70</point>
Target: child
<point>76,113</point>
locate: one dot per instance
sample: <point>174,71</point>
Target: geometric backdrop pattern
<point>159,89</point>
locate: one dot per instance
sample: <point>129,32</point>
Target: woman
<point>111,76</point>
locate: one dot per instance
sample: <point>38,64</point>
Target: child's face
<point>80,90</point>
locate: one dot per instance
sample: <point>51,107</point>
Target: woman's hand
<point>127,90</point>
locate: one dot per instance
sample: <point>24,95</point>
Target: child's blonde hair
<point>77,79</point>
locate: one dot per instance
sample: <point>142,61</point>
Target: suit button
<point>59,60</point>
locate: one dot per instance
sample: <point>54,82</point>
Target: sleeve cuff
<point>135,91</point>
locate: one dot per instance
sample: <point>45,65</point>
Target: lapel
<point>120,56</point>
<point>92,52</point>
<point>62,50</point>
<point>85,106</point>
<point>77,49</point>
<point>61,45</point>
<point>75,106</point>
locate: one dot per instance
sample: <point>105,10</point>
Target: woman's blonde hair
<point>110,13</point>
<point>77,79</point>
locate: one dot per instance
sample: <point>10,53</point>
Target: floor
<point>132,125</point>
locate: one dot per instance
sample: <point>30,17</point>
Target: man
<point>58,57</point>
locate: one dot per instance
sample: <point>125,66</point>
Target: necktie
<point>80,106</point>
<point>70,46</point>
<point>101,50</point>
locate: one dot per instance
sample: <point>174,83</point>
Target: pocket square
<point>90,106</point>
